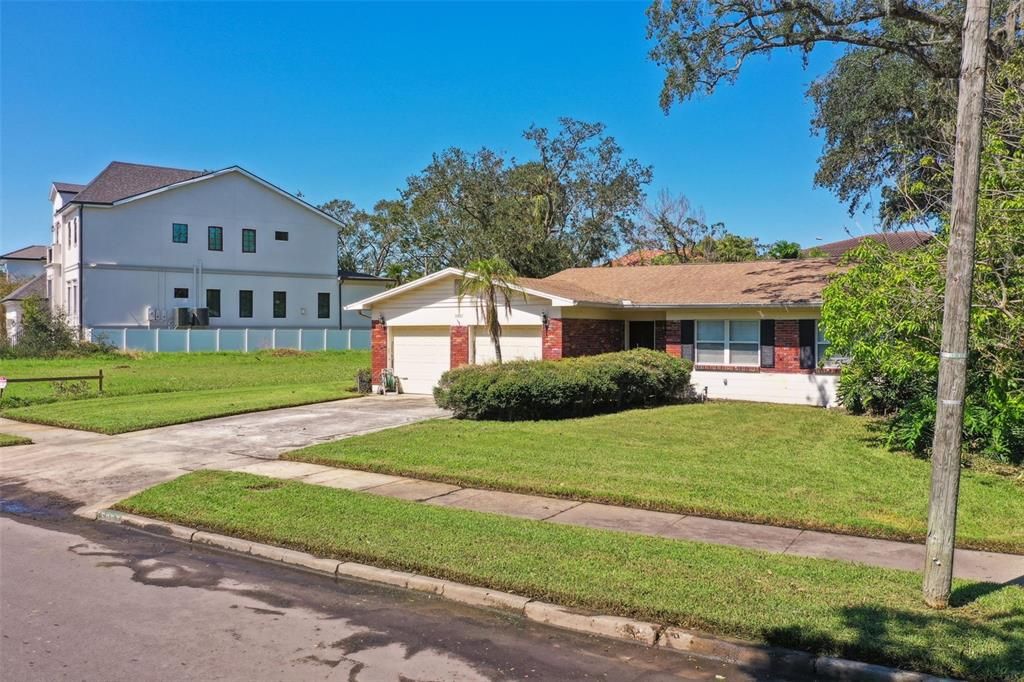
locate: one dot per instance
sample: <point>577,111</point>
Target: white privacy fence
<point>244,340</point>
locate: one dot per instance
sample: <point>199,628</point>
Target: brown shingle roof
<point>120,180</point>
<point>68,187</point>
<point>774,282</point>
<point>897,241</point>
<point>34,252</point>
<point>34,287</point>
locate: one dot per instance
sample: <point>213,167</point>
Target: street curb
<point>776,660</point>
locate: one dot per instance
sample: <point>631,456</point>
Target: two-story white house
<point>138,243</point>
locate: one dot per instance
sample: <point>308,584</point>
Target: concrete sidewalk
<point>970,564</point>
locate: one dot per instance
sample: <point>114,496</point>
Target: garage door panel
<point>420,355</point>
<point>517,343</point>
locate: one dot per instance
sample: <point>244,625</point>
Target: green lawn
<point>823,606</point>
<point>147,390</point>
<point>7,439</point>
<point>779,464</point>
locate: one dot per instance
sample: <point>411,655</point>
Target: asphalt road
<point>86,601</point>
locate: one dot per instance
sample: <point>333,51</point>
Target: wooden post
<point>101,381</point>
<point>956,317</point>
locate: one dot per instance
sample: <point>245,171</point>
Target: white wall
<point>769,387</point>
<point>130,261</point>
<point>117,297</point>
<point>353,290</point>
<point>437,303</point>
<point>12,318</point>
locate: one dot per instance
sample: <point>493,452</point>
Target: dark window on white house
<point>213,302</point>
<point>323,305</point>
<point>179,233</point>
<point>245,303</point>
<point>280,304</point>
<point>281,236</point>
<point>180,292</point>
<point>248,240</point>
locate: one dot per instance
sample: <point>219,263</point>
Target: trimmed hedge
<point>556,389</point>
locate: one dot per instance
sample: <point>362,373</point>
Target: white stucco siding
<point>438,303</point>
<point>357,290</point>
<point>769,387</point>
<point>139,232</point>
<point>116,297</point>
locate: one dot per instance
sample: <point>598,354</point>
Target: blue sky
<point>347,100</point>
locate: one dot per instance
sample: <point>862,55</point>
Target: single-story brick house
<point>751,328</point>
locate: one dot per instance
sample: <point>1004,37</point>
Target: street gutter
<point>779,661</point>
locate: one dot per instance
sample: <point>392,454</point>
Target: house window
<point>213,302</point>
<point>728,342</point>
<point>245,303</point>
<point>323,305</point>
<point>821,346</point>
<point>280,304</point>
<point>179,233</point>
<point>248,241</point>
<point>281,236</point>
<point>215,238</point>
<point>180,292</point>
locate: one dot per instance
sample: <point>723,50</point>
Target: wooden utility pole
<point>956,317</point>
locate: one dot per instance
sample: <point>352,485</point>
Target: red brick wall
<point>674,338</point>
<point>552,341</point>
<point>378,349</point>
<point>590,337</point>
<point>787,346</point>
<point>459,346</point>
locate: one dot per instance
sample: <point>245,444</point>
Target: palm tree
<point>489,280</point>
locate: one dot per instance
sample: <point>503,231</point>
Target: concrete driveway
<point>95,470</point>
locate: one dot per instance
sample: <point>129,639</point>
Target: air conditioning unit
<point>182,317</point>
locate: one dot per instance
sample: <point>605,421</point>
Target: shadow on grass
<point>968,644</point>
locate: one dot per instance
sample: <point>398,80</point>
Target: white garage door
<point>420,355</point>
<point>517,343</point>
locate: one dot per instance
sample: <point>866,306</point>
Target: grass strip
<point>784,465</point>
<point>7,439</point>
<point>826,607</point>
<point>133,412</point>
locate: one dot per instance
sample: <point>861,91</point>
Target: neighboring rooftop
<point>896,241</point>
<point>773,282</point>
<point>34,287</point>
<point>121,180</point>
<point>68,187</point>
<point>353,274</point>
<point>34,252</point>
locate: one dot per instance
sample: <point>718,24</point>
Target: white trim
<point>368,302</point>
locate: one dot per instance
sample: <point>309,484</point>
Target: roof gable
<point>34,287</point>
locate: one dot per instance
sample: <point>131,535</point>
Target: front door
<point>641,334</point>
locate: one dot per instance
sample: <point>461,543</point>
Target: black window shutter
<point>806,344</point>
<point>686,339</point>
<point>768,343</point>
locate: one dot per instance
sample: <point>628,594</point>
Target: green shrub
<point>44,333</point>
<point>575,387</point>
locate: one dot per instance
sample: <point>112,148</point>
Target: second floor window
<point>323,305</point>
<point>248,241</point>
<point>280,304</point>
<point>179,233</point>
<point>215,238</point>
<point>281,236</point>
